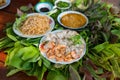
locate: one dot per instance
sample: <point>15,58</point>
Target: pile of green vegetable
<point>62,4</point>
<point>101,61</point>
<point>107,56</point>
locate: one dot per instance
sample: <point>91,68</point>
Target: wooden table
<point>8,15</point>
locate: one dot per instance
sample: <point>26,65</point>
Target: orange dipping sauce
<point>73,20</point>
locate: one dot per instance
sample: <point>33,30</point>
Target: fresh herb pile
<point>101,61</point>
<point>62,4</point>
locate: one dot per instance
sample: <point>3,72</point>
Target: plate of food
<point>4,3</point>
<point>62,46</point>
<point>33,25</point>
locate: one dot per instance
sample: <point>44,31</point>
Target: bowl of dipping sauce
<point>43,7</point>
<point>72,20</point>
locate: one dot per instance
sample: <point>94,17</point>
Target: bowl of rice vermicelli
<point>33,25</point>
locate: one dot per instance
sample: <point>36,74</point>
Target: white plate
<point>58,62</point>
<point>7,3</point>
<point>19,33</point>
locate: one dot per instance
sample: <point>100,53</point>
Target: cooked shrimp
<point>60,48</point>
<point>51,44</point>
<point>59,59</point>
<point>52,57</point>
<point>74,55</point>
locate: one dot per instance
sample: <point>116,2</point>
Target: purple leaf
<point>86,72</point>
<point>19,12</point>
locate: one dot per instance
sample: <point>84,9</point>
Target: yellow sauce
<point>73,20</point>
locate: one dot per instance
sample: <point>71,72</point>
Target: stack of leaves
<point>107,56</point>
<point>27,59</point>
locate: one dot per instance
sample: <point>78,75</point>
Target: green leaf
<point>11,34</point>
<point>12,72</point>
<point>29,53</point>
<point>15,62</point>
<point>18,21</point>
<point>116,32</point>
<point>41,73</point>
<point>75,65</point>
<point>115,68</point>
<point>46,63</point>
<point>24,8</point>
<point>40,62</point>
<point>99,71</point>
<point>116,50</point>
<point>109,54</point>
<point>74,74</point>
<point>93,73</point>
<point>117,20</point>
<point>4,42</point>
<point>76,39</point>
<point>100,47</point>
<point>56,75</point>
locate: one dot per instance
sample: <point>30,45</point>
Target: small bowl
<point>67,1</point>
<point>71,12</point>
<point>19,33</point>
<point>43,7</point>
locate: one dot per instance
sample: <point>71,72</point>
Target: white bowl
<point>69,12</point>
<point>40,5</point>
<point>61,62</point>
<point>19,33</point>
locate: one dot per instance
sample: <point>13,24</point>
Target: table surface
<point>8,15</point>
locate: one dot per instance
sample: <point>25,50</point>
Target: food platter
<point>67,52</point>
<point>16,29</point>
<point>61,39</point>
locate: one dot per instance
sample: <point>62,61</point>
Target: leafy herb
<point>62,4</point>
<point>19,21</point>
<point>116,32</point>
<point>109,54</point>
<point>5,42</point>
<point>76,39</point>
<point>24,8</point>
<point>22,58</point>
